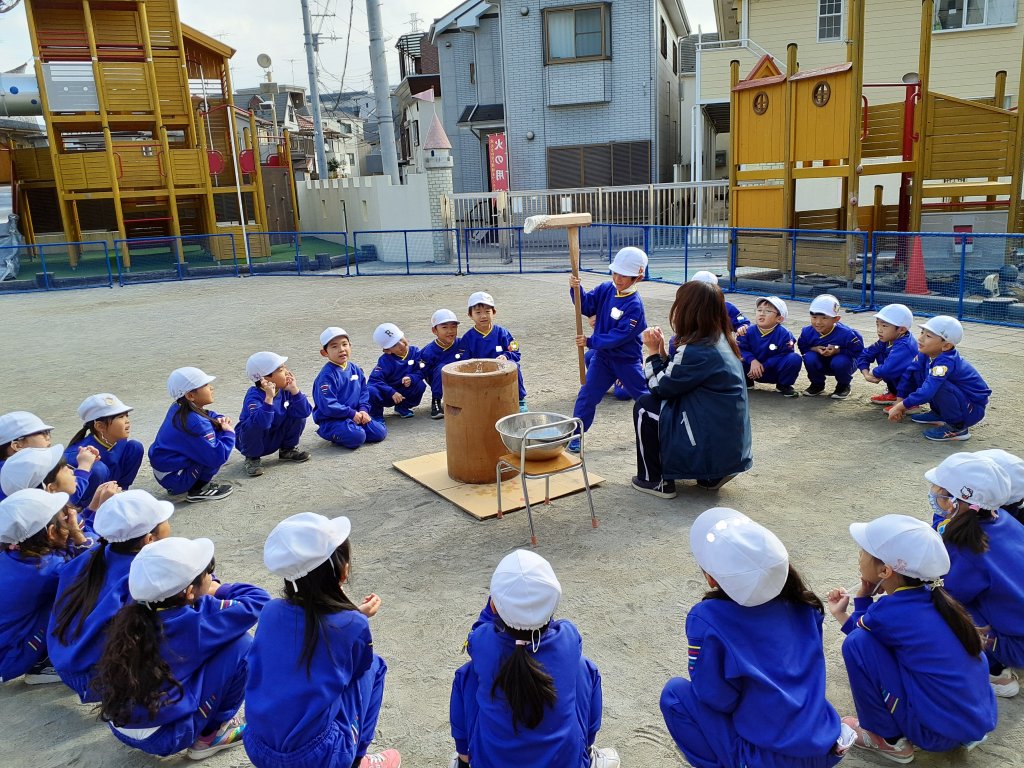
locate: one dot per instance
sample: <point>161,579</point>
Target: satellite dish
<point>263,60</point>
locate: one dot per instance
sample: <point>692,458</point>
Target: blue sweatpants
<point>348,434</point>
<point>181,480</point>
<point>781,370</point>
<point>618,390</point>
<point>121,463</point>
<point>709,739</point>
<point>221,693</point>
<point>602,373</point>
<point>1007,652</point>
<point>819,366</point>
<point>253,442</point>
<point>951,405</point>
<point>413,395</point>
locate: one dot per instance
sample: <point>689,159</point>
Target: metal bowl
<point>512,430</point>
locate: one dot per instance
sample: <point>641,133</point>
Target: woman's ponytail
<point>527,686</point>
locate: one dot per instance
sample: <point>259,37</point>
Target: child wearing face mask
<point>106,428</point>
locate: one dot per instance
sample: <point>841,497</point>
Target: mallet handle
<point>574,261</point>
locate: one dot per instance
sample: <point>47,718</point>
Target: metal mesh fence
<point>58,266</point>
<point>300,253</point>
<point>406,252</point>
<point>158,259</point>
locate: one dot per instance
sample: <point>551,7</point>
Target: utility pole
<point>314,91</point>
<point>381,91</point>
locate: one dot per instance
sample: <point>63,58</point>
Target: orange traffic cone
<point>917,283</point>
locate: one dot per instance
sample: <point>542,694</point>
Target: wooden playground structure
<point>820,124</point>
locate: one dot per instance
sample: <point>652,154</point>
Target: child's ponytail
<point>527,686</point>
<point>185,407</point>
<point>81,434</point>
<point>954,614</point>
<point>964,529</point>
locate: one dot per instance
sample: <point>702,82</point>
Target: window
<point>971,14</point>
<point>663,37</point>
<point>675,58</point>
<point>472,73</point>
<point>599,165</point>
<point>580,33</point>
<point>351,158</point>
<point>830,20</point>
<point>346,128</point>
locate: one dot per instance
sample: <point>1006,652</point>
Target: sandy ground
<point>819,464</point>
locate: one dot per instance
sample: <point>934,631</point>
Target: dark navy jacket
<point>173,450</point>
<point>755,345</point>
<point>387,375</point>
<point>947,368</point>
<point>619,321</point>
<point>339,392</point>
<point>893,358</point>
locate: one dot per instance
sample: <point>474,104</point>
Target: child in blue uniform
<point>396,380</point>
<point>47,468</point>
<point>94,587</point>
<point>274,414</point>
<point>754,648</point>
<point>736,318</point>
<point>1014,468</point>
<point>193,442</point>
<point>341,396</point>
<point>986,548</point>
<point>172,674</point>
<point>528,695</point>
<point>446,348</point>
<point>588,358</point>
<point>913,656</point>
<point>488,341</point>
<point>107,429</point>
<point>315,685</point>
<point>948,384</point>
<point>39,536</point>
<point>21,429</point>
<point>892,354</point>
<point>619,321</point>
<point>829,348</point>
<point>766,348</point>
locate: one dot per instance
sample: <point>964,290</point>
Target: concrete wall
<point>668,105</point>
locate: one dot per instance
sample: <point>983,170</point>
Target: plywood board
<point>481,501</point>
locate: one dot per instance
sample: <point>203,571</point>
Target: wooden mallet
<point>571,222</point>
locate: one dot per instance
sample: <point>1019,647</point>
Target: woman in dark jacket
<point>694,424</point>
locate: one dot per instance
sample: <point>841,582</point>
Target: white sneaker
<point>41,674</point>
<point>606,757</point>
<point>1006,684</point>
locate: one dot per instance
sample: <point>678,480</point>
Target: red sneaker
<point>887,399</point>
<point>389,758</point>
<point>900,752</point>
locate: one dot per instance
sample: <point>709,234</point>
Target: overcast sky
<point>275,28</point>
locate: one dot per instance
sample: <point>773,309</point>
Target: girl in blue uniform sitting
<point>193,442</point>
<point>106,429</point>
<point>986,548</point>
<point>273,414</point>
<point>93,588</point>
<point>528,695</point>
<point>315,685</point>
<point>172,673</point>
<point>913,657</point>
<point>754,647</point>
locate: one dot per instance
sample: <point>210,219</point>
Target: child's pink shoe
<point>389,758</point>
<point>900,752</point>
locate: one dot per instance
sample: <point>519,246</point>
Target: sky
<point>275,28</point>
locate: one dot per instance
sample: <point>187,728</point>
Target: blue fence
<point>972,276</point>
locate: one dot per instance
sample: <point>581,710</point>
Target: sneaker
<point>210,492</point>
<point>227,736</point>
<point>41,673</point>
<point>253,467</point>
<point>841,393</point>
<point>947,434</point>
<point>887,399</point>
<point>926,417</point>
<point>900,752</point>
<point>787,391</point>
<point>404,413</point>
<point>436,409</point>
<point>606,757</point>
<point>663,489</point>
<point>292,454</point>
<point>573,446</point>
<point>715,483</point>
<point>1006,685</point>
<point>389,758</point>
<point>522,407</point>
<point>912,411</point>
<point>454,763</point>
<point>814,390</point>
<point>969,745</point>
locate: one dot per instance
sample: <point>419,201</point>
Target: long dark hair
<point>38,544</point>
<point>954,614</point>
<point>698,315</point>
<point>78,600</point>
<point>89,428</point>
<point>319,594</point>
<point>527,686</point>
<point>131,672</point>
<point>185,407</point>
<point>793,591</point>
<point>964,529</point>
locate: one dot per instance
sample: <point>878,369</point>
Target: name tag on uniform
<point>499,348</point>
<point>772,347</point>
<point>616,313</point>
<point>411,362</point>
<point>458,356</point>
<point>354,377</point>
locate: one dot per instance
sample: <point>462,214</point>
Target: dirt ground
<point>819,464</point>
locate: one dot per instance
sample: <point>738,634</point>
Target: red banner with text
<point>497,153</point>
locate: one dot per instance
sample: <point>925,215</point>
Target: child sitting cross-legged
<point>341,396</point>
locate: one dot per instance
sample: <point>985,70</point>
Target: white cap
<point>100,406</point>
<point>184,380</point>
<point>332,333</point>
<point>28,467</point>
<point>946,328</point>
<point>776,302</point>
<point>128,515</point>
<point>629,262</point>
<point>906,544</point>
<point>1012,465</point>
<point>480,297</point>
<point>20,424</point>
<point>26,512</point>
<point>524,590</point>
<point>386,335</point>
<point>826,304</point>
<point>301,543</point>
<point>747,560</point>
<point>443,316</point>
<point>703,276</point>
<point>973,479</point>
<point>263,364</point>
<point>166,567</point>
<point>896,314</point>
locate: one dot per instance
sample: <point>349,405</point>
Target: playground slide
<point>19,95</point>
